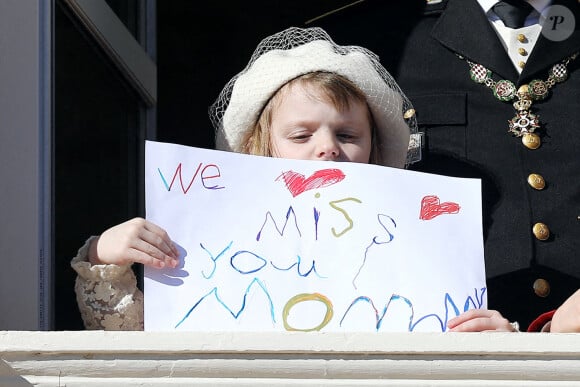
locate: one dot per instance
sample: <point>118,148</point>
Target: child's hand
<point>136,240</point>
<point>480,320</point>
<point>567,317</point>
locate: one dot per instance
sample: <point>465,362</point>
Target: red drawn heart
<point>431,207</point>
<point>297,183</point>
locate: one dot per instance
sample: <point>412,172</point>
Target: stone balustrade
<point>97,358</point>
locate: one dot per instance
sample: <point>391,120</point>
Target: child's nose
<point>328,148</point>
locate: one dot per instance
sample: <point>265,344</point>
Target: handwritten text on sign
<point>271,244</point>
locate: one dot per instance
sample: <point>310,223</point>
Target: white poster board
<point>273,244</point>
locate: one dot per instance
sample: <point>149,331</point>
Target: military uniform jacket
<point>466,134</point>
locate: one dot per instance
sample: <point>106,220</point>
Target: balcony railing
<point>96,358</point>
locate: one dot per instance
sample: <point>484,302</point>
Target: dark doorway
<point>201,45</point>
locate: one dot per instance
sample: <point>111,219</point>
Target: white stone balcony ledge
<point>97,358</point>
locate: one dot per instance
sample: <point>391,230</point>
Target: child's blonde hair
<point>336,89</point>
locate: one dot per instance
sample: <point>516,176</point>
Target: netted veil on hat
<point>288,54</point>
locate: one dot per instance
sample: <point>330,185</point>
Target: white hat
<point>294,52</point>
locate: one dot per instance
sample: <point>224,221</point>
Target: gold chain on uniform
<point>525,123</point>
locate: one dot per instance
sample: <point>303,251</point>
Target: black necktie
<point>513,13</point>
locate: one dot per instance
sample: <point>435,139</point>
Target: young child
<point>302,97</point>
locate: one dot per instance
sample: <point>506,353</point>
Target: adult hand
<point>480,320</point>
<point>567,316</point>
<point>136,240</point>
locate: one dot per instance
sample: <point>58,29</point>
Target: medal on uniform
<point>525,123</point>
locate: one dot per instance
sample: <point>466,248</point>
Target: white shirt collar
<point>509,36</point>
<point>539,5</point>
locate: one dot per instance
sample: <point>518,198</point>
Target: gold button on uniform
<point>531,141</point>
<point>522,64</point>
<point>541,287</point>
<point>536,181</point>
<point>409,113</point>
<point>541,231</point>
<point>522,38</point>
<point>522,51</point>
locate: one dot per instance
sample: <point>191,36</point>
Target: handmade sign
<point>273,244</point>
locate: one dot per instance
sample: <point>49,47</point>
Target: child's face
<point>307,126</point>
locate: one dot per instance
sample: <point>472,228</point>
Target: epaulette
<point>434,6</point>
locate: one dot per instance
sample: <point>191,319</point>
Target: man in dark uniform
<point>501,104</point>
